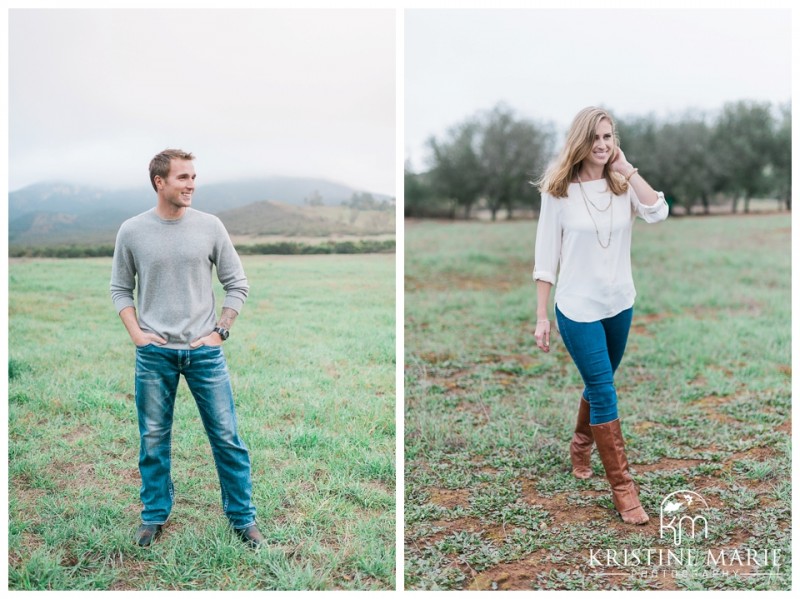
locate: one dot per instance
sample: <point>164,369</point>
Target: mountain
<point>58,213</point>
<point>271,218</point>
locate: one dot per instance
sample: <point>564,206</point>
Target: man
<point>171,250</point>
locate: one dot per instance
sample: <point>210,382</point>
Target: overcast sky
<point>548,64</point>
<point>94,94</point>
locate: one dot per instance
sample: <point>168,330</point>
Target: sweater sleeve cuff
<point>123,302</point>
<point>234,303</point>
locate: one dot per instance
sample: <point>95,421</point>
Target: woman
<point>590,198</point>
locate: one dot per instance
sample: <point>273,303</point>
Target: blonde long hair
<point>578,146</point>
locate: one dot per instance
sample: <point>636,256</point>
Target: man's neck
<point>169,212</point>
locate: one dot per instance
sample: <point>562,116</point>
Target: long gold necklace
<point>587,201</point>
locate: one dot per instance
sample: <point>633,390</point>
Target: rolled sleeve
<point>548,241</point>
<point>650,214</point>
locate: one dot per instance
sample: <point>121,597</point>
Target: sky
<point>548,64</point>
<point>95,94</point>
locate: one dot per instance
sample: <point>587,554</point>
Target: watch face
<point>222,333</point>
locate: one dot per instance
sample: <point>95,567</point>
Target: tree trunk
<point>747,204</point>
<point>706,207</point>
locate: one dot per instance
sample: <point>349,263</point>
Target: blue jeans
<point>158,371</point>
<point>597,349</point>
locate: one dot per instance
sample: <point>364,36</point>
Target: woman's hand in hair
<point>619,164</point>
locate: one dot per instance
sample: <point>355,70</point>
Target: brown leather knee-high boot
<point>611,447</point>
<point>580,450</point>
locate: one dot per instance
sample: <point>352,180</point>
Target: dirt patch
<point>668,464</point>
<point>482,468</point>
<point>77,434</point>
<point>449,527</point>
<point>515,576</point>
<point>479,410</point>
<point>130,476</point>
<point>722,418</point>
<point>641,427</point>
<point>561,512</point>
<point>29,542</point>
<point>451,385</point>
<point>131,576</point>
<point>523,360</point>
<point>379,486</point>
<point>758,454</point>
<point>449,498</point>
<point>437,358</point>
<point>26,495</point>
<point>641,323</point>
<point>711,401</point>
<point>501,280</point>
<point>71,475</point>
<point>709,405</point>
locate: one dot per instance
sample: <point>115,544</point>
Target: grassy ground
<point>312,360</point>
<point>705,399</point>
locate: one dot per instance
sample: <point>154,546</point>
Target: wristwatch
<point>224,333</point>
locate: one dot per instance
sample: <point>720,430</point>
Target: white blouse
<point>593,282</point>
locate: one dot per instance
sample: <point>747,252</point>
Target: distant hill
<point>271,218</point>
<point>59,213</point>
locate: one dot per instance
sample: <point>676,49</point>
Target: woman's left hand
<point>542,335</point>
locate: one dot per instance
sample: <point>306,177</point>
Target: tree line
<point>361,246</point>
<point>698,159</point>
<point>357,201</point>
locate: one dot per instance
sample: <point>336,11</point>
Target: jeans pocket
<point>209,348</point>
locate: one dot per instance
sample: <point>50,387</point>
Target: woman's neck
<point>590,173</point>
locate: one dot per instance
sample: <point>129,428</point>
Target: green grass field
<point>705,400</point>
<point>312,360</point>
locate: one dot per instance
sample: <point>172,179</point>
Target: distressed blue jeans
<point>158,371</point>
<point>597,348</point>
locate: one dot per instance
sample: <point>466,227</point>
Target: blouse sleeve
<point>548,241</point>
<point>650,214</point>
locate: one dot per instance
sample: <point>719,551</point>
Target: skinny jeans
<point>597,348</point>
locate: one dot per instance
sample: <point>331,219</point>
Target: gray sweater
<point>172,260</point>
